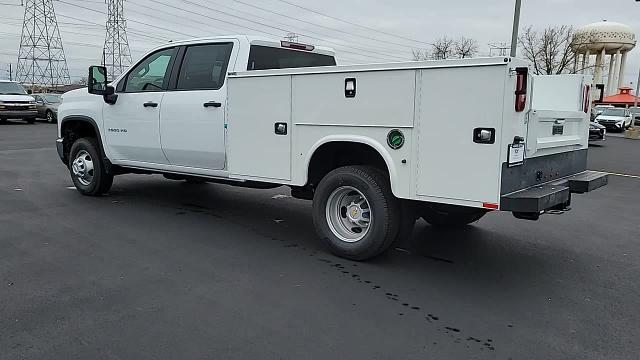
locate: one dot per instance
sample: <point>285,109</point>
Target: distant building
<point>622,99</point>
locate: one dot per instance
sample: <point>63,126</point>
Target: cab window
<point>204,67</point>
<point>265,58</point>
<point>150,74</point>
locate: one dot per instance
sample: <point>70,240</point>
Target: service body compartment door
<point>453,103</point>
<point>259,127</point>
<point>557,121</point>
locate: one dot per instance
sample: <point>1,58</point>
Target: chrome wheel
<point>348,214</point>
<point>49,117</point>
<point>82,168</point>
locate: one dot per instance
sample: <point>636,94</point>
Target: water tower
<point>602,39</point>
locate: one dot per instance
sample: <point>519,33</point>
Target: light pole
<point>635,101</point>
<point>516,26</point>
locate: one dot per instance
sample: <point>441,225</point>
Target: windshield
<point>50,98</point>
<point>264,57</point>
<point>613,112</point>
<point>11,88</point>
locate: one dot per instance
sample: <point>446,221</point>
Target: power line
<point>352,23</point>
<point>130,20</point>
<point>220,20</point>
<point>102,26</point>
<point>250,28</point>
<point>321,26</point>
<point>276,35</point>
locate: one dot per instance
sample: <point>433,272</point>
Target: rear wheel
<point>355,213</point>
<point>442,215</point>
<point>87,168</point>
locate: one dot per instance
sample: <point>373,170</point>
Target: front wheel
<point>355,212</point>
<point>87,168</point>
<point>449,215</point>
<point>50,117</point>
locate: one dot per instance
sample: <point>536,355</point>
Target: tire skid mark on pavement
<point>11,151</point>
<point>455,333</point>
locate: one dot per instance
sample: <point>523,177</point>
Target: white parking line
<point>623,175</point>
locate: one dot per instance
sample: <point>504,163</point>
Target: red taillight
<point>587,99</point>
<point>521,88</point>
<point>491,206</point>
<point>297,46</point>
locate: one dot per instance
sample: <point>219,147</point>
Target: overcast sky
<point>402,24</point>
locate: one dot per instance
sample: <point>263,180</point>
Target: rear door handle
<point>150,104</point>
<point>212,104</point>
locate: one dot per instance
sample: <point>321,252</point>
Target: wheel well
<point>72,130</point>
<point>333,155</point>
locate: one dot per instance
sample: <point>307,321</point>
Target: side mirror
<point>97,81</point>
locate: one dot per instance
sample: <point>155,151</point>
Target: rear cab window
<point>204,67</point>
<point>267,58</point>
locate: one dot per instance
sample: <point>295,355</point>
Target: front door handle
<point>150,104</point>
<point>212,104</point>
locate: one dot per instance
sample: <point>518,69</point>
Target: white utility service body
<point>435,104</point>
<point>375,146</point>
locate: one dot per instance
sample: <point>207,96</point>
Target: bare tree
<point>443,48</point>
<point>465,47</point>
<point>420,54</point>
<point>549,50</point>
<point>81,81</point>
<point>447,48</point>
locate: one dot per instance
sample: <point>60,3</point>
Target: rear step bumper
<point>530,203</point>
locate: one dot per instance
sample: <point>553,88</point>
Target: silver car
<point>47,105</point>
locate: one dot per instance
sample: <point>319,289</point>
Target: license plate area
<point>557,130</point>
<point>516,155</point>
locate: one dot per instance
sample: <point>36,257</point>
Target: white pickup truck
<point>374,146</point>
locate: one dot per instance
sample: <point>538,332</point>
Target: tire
<point>3,121</point>
<point>50,117</point>
<point>339,210</point>
<point>450,216</point>
<point>87,168</point>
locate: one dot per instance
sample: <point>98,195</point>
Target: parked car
<point>15,103</point>
<point>615,119</point>
<point>597,132</point>
<point>635,114</point>
<point>598,109</point>
<point>47,105</point>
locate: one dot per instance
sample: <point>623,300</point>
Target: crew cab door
<point>192,118</point>
<point>132,123</point>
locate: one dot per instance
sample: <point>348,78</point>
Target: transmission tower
<point>499,49</point>
<point>292,37</point>
<point>41,59</point>
<point>116,54</point>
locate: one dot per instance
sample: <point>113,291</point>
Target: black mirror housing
<point>97,80</point>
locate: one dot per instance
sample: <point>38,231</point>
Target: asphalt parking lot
<point>162,269</point>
